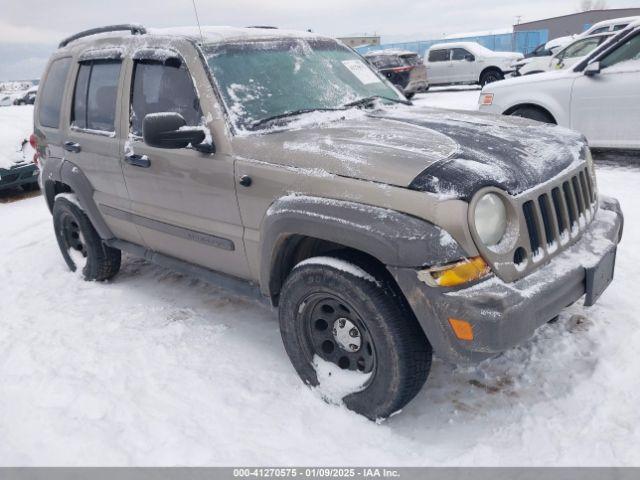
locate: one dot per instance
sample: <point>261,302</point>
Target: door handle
<point>72,147</point>
<point>137,160</point>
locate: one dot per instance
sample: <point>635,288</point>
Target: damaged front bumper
<point>502,314</point>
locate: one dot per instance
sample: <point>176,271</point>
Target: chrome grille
<point>560,214</point>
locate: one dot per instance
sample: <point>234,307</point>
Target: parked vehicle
<point>549,48</point>
<point>597,97</point>
<point>563,58</point>
<point>19,168</point>
<point>402,68</point>
<point>280,164</point>
<point>467,63</point>
<point>6,99</point>
<point>613,25</point>
<point>28,98</point>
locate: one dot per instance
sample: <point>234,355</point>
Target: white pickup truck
<point>467,63</point>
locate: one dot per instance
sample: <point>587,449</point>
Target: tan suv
<point>280,164</point>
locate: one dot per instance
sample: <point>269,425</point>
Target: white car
<point>599,97</point>
<point>613,25</point>
<point>467,63</point>
<point>563,57</point>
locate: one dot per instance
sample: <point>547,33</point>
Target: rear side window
<point>161,87</point>
<point>52,93</point>
<point>439,55</point>
<point>95,96</point>
<point>412,60</point>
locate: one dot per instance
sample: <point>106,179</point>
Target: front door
<point>183,201</point>
<point>605,106</point>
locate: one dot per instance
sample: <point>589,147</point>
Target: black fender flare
<point>393,238</point>
<point>69,174</point>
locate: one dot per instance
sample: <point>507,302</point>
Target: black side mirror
<point>169,130</point>
<point>469,58</point>
<point>592,69</point>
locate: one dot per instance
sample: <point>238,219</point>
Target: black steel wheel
<point>82,248</point>
<point>352,316</point>
<point>335,332</point>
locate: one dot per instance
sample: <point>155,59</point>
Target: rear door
<point>605,107</point>
<point>183,201</point>
<point>438,66</point>
<point>93,137</point>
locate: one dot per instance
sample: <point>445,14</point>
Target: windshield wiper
<point>373,98</point>
<point>291,113</point>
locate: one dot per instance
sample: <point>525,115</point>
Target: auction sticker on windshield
<point>361,71</point>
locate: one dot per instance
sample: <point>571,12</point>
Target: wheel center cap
<point>347,335</point>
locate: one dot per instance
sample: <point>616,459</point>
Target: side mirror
<point>169,130</point>
<point>469,58</point>
<point>592,69</point>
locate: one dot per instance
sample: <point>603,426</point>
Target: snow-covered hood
<point>441,151</point>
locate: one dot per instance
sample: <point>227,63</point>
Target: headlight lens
<point>491,219</point>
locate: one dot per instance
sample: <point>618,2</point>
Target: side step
<point>234,285</point>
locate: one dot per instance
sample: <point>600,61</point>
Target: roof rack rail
<point>134,29</point>
<point>266,27</point>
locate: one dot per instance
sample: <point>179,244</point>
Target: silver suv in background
<point>404,69</point>
<point>279,164</point>
<point>467,63</point>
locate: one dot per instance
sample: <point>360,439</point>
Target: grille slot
<point>554,216</point>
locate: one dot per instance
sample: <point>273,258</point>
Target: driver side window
<point>163,87</point>
<point>629,50</point>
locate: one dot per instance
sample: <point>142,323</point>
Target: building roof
<point>575,14</point>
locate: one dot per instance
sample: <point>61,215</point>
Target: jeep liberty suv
<point>280,164</point>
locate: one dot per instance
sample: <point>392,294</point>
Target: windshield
<point>263,79</point>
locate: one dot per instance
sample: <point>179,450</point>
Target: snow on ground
<point>155,368</point>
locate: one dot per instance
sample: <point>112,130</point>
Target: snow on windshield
<point>269,78</point>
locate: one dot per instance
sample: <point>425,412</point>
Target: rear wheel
<point>82,248</point>
<point>336,315</point>
<point>491,76</point>
<point>533,113</point>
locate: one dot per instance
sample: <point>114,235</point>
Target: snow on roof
<point>210,34</point>
<point>483,33</point>
<point>215,34</point>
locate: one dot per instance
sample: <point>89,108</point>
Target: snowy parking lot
<point>156,368</point>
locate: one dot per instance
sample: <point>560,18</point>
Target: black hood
<point>510,153</point>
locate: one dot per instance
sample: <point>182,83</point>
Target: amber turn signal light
<point>456,274</point>
<point>462,329</point>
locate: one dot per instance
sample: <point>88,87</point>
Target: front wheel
<point>347,332</point>
<point>82,248</point>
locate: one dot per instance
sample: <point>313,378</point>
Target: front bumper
<point>20,175</point>
<point>506,314</point>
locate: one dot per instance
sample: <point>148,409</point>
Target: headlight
<point>490,219</point>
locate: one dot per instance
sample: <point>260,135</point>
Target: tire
<point>533,113</point>
<point>321,293</point>
<point>491,76</point>
<point>410,95</point>
<point>81,247</point>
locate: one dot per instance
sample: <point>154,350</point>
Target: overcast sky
<point>30,29</point>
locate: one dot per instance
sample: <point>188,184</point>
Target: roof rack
<point>134,29</point>
<point>266,27</point>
